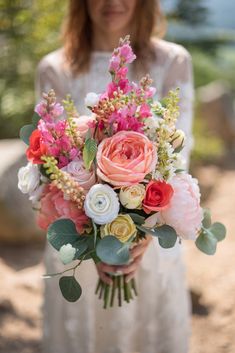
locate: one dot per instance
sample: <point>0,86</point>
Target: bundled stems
<point>119,289</point>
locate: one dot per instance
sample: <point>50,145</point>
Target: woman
<point>158,320</point>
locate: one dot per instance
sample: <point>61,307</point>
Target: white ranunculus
<point>91,99</point>
<point>67,253</point>
<point>28,178</point>
<point>101,204</point>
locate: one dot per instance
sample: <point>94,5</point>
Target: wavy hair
<point>148,20</point>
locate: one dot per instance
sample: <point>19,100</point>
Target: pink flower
<point>54,206</point>
<point>126,53</point>
<point>78,171</point>
<point>145,111</point>
<point>125,158</point>
<point>184,213</point>
<point>83,123</point>
<point>114,63</point>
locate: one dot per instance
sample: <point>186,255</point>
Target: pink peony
<point>184,213</point>
<point>78,171</point>
<point>125,158</point>
<point>83,123</point>
<point>54,206</point>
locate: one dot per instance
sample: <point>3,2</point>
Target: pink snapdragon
<point>58,143</point>
<point>50,115</point>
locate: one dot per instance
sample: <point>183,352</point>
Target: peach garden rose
<point>125,158</point>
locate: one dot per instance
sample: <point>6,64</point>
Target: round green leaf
<point>206,218</point>
<point>25,133</point>
<point>167,236</point>
<point>206,243</point>
<point>70,288</point>
<point>111,251</point>
<point>61,232</point>
<point>218,230</point>
<point>35,119</point>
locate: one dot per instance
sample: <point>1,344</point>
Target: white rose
<point>28,178</point>
<point>131,197</point>
<point>101,204</point>
<point>91,99</point>
<point>35,195</point>
<point>67,253</point>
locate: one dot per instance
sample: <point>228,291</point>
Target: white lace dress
<point>158,320</point>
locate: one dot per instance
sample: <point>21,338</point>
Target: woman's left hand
<point>137,253</point>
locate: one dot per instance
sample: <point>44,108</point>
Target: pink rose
<point>125,158</point>
<point>78,171</point>
<point>54,206</point>
<point>83,123</point>
<point>184,213</point>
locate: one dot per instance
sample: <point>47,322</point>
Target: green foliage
<point>62,232</point>
<point>70,288</point>
<point>166,235</point>
<point>89,152</point>
<point>111,251</point>
<point>193,12</point>
<point>25,133</point>
<point>210,235</point>
<point>29,30</point>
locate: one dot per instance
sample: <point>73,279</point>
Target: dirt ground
<point>211,280</point>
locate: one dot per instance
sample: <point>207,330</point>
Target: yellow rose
<point>132,196</point>
<point>123,228</point>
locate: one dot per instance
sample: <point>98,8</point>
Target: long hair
<point>77,34</point>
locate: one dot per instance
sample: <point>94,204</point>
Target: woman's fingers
<point>105,278</point>
<point>126,269</point>
<point>105,267</point>
<point>129,276</point>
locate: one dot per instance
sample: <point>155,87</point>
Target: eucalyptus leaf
<point>70,288</point>
<point>61,232</point>
<point>207,243</point>
<point>89,152</point>
<point>167,236</point>
<point>111,251</point>
<point>206,218</point>
<point>35,119</point>
<point>25,133</point>
<point>136,218</point>
<point>218,230</point>
<point>81,247</point>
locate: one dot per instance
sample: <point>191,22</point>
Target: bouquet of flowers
<point>101,183</point>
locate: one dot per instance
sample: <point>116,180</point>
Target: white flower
<point>67,253</point>
<point>28,178</point>
<point>101,204</point>
<point>91,99</point>
<point>35,195</point>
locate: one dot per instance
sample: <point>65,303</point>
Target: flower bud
<point>178,139</point>
<point>67,253</point>
<point>131,197</point>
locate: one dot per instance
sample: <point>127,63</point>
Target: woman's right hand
<point>103,270</point>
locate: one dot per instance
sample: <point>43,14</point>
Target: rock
<point>17,219</point>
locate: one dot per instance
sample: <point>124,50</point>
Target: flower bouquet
<point>101,183</point>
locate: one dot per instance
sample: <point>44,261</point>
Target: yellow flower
<point>131,197</point>
<point>123,228</point>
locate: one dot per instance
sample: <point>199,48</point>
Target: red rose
<point>36,148</point>
<point>157,197</point>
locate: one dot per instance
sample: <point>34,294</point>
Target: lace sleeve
<point>179,74</point>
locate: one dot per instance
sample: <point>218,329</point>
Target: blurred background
<point>29,29</point>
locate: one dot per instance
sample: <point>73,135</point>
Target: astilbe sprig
<point>63,181</point>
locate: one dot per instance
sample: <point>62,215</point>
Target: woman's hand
<point>137,253</point>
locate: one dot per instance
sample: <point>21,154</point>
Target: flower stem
<point>119,285</point>
<point>106,295</point>
<point>133,285</point>
<point>114,287</point>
